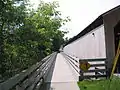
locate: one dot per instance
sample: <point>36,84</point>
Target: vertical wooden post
<point>96,73</point>
<point>106,67</point>
<point>81,77</point>
<point>18,87</point>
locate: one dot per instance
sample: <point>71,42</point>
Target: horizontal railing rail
<point>93,76</point>
<point>74,63</point>
<point>97,65</point>
<point>97,68</point>
<point>71,58</point>
<point>32,78</point>
<point>93,60</point>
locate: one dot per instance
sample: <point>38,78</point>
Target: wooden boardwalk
<point>62,77</point>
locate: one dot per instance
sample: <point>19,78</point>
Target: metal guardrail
<point>32,78</point>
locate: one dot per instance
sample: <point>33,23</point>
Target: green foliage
<point>104,84</point>
<point>27,36</point>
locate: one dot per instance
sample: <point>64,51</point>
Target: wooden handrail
<point>72,63</point>
<point>93,60</point>
<point>29,75</point>
<point>71,58</point>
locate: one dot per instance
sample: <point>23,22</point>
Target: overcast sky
<point>81,12</point>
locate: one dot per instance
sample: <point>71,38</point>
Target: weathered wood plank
<point>96,70</point>
<point>71,57</point>
<point>34,77</point>
<point>91,76</point>
<point>44,71</point>
<point>92,60</point>
<point>97,65</point>
<point>19,78</point>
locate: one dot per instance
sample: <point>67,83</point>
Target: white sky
<point>81,12</point>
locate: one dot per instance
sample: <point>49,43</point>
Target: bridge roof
<point>97,22</point>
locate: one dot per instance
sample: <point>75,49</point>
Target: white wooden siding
<point>88,46</point>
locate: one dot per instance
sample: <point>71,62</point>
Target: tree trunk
<point>2,60</point>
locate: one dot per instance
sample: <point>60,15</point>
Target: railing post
<point>81,77</point>
<point>96,73</point>
<point>18,87</point>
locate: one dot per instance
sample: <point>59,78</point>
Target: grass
<point>103,84</point>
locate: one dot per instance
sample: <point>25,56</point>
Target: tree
<point>9,21</point>
<point>48,21</point>
<point>28,36</point>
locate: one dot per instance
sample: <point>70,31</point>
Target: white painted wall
<point>89,46</point>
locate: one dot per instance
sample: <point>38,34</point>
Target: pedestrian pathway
<point>62,76</point>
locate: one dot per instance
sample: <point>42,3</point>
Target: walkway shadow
<point>47,83</point>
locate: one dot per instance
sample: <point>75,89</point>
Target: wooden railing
<point>73,62</point>
<point>32,78</point>
<point>96,68</point>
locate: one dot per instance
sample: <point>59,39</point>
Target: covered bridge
<point>98,40</point>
